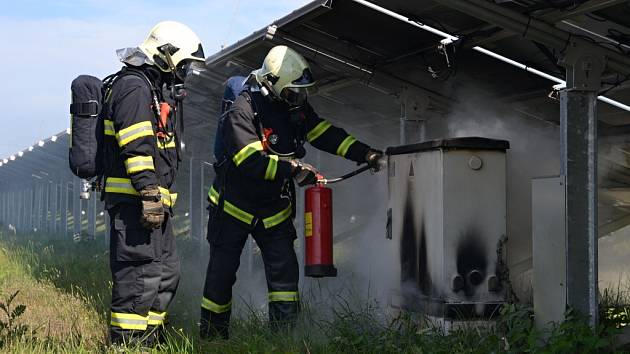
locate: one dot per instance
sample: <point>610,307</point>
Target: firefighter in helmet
<point>253,193</point>
<point>142,149</point>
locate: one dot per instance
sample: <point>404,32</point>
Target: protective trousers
<point>145,272</point>
<point>227,237</point>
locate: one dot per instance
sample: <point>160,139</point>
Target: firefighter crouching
<point>253,193</point>
<point>142,150</point>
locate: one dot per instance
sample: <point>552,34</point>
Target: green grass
<point>55,275</point>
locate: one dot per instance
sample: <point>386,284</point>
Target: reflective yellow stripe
<point>133,132</point>
<point>129,321</point>
<point>230,208</point>
<point>156,318</point>
<point>342,150</point>
<point>109,128</point>
<point>167,197</point>
<point>162,144</point>
<point>278,218</point>
<point>284,296</point>
<point>124,186</point>
<point>247,151</point>
<point>139,163</point>
<point>272,167</point>
<point>317,131</point>
<point>214,307</point>
<point>120,185</point>
<point>213,195</point>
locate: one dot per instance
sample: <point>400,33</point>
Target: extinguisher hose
<point>344,177</point>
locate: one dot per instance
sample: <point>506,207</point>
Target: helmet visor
<point>305,80</point>
<point>294,96</point>
<point>189,68</point>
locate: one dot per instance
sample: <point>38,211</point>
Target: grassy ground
<point>58,317</point>
<point>65,287</point>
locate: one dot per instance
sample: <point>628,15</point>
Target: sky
<point>48,43</point>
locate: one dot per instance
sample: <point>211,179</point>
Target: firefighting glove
<point>303,173</point>
<point>375,160</point>
<point>152,209</point>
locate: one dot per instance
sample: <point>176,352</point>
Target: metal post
<point>578,125</point>
<point>13,211</point>
<point>202,203</point>
<point>55,207</point>
<point>35,209</point>
<point>23,209</point>
<point>63,218</point>
<point>194,213</point>
<point>91,216</point>
<point>47,206</point>
<point>16,206</point>
<point>31,210</point>
<point>76,205</point>
<point>3,208</point>
<point>44,191</point>
<point>190,197</point>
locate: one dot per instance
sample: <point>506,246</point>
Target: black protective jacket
<point>252,181</point>
<point>136,155</point>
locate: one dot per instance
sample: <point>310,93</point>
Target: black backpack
<point>87,121</point>
<point>87,127</point>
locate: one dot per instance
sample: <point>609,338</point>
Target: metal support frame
<point>91,216</point>
<point>23,209</point>
<point>63,228</point>
<point>39,197</point>
<point>589,6</point>
<point>48,204</point>
<point>30,196</point>
<point>55,207</point>
<point>194,214</point>
<point>535,29</point>
<point>578,125</point>
<point>76,205</point>
<point>203,191</point>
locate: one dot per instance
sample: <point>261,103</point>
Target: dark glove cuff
<point>297,169</point>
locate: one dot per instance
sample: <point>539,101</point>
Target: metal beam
<point>377,79</point>
<point>535,30</point>
<point>585,7</point>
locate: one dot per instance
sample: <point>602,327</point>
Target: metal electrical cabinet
<point>447,223</point>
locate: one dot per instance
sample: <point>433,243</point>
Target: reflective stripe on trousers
<point>288,296</point>
<point>214,307</point>
<point>156,318</point>
<point>129,321</point>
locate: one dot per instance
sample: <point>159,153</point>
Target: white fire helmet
<point>174,47</point>
<point>286,74</point>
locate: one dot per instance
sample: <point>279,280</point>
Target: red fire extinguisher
<point>318,232</point>
<point>318,227</point>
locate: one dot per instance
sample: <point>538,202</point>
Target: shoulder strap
<point>136,72</point>
<point>257,115</point>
